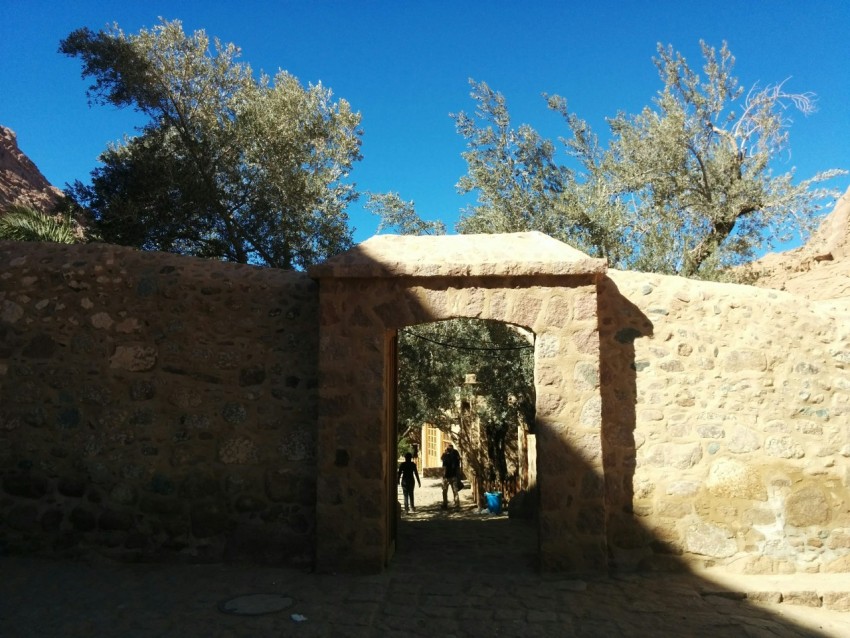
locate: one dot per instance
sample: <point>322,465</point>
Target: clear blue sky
<point>405,66</point>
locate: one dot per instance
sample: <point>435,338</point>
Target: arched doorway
<point>468,383</point>
<point>389,282</point>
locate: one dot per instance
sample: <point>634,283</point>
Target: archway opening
<point>468,383</point>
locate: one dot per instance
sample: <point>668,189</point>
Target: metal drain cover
<point>255,604</point>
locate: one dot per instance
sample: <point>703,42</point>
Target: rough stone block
<point>51,520</point>
<point>743,440</point>
<point>238,451</point>
<point>745,359</point>
<point>837,600</point>
<point>839,539</point>
<point>82,519</point>
<point>135,358</point>
<point>767,565</point>
<point>839,565</point>
<point>289,486</point>
<point>674,455</point>
<point>23,518</point>
<point>728,478</point>
<point>710,540</point>
<point>784,447</point>
<point>759,516</point>
<point>767,597</point>
<point>209,519</point>
<point>25,485</point>
<point>683,488</point>
<point>807,598</point>
<point>110,520</point>
<point>806,507</point>
<point>591,413</point>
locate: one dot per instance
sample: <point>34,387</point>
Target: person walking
<point>406,473</point>
<point>451,474</point>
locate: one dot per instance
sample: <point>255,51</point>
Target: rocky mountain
<point>820,269</point>
<point>21,183</point>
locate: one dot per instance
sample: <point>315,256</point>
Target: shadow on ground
<point>457,573</point>
<point>463,539</point>
<point>471,571</point>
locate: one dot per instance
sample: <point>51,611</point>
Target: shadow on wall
<point>620,323</point>
<point>155,407</point>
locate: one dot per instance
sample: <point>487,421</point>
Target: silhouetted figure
<point>451,474</point>
<point>406,474</point>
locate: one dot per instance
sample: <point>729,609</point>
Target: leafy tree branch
<point>228,166</point>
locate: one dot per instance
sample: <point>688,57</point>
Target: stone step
<point>830,591</point>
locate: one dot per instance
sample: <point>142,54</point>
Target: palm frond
<point>21,223</point>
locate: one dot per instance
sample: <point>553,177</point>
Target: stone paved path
<point>456,573</point>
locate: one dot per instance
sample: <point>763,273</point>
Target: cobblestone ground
<point>457,572</point>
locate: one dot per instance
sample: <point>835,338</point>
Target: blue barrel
<point>494,502</point>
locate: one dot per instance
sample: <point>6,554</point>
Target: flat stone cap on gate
<point>503,255</point>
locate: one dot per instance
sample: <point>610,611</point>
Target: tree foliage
<point>227,166</point>
<point>434,363</point>
<point>685,187</point>
<point>400,216</point>
<point>521,186</point>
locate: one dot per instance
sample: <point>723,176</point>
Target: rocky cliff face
<point>21,183</point>
<point>818,271</point>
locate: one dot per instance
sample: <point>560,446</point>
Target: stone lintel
<point>502,255</point>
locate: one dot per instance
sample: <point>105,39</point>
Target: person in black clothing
<point>451,474</point>
<point>406,473</point>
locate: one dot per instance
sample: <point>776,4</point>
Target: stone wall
<point>730,444</point>
<point>153,405</point>
<point>158,406</point>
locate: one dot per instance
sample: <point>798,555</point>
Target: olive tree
<point>687,186</point>
<point>228,165</point>
<point>473,379</point>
